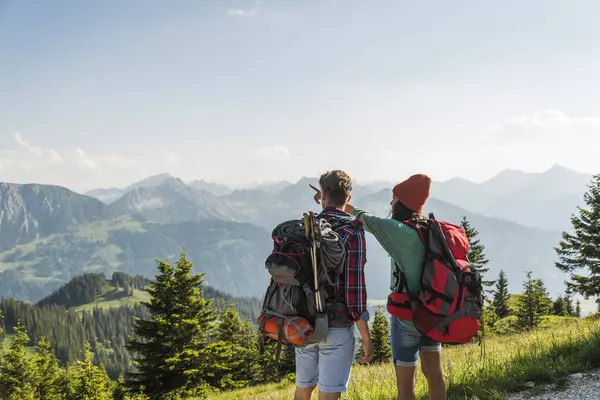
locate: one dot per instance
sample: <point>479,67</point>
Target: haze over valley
<point>49,234</point>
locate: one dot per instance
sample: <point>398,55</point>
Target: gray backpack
<point>307,255</point>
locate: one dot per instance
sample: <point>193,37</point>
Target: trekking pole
<point>313,249</point>
<point>308,229</point>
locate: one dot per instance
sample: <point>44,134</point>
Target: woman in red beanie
<point>407,253</point>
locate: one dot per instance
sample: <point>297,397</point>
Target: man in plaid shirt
<point>329,362</point>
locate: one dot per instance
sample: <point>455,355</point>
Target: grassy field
<point>113,298</point>
<point>502,364</point>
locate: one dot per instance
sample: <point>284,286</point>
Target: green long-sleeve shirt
<point>401,242</point>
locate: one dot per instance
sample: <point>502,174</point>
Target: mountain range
<point>49,234</point>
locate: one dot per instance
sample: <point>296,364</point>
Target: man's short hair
<point>336,185</point>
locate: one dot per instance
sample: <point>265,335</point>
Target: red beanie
<point>413,192</point>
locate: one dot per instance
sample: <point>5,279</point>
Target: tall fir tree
<point>534,303</point>
<point>560,307</point>
<point>477,251</point>
<point>578,309</point>
<point>174,352</point>
<point>380,335</point>
<point>580,250</point>
<point>501,296</point>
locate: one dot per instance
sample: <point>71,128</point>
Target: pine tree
<point>578,309</point>
<point>488,319</point>
<point>581,249</point>
<point>238,354</point>
<point>570,310</point>
<point>534,303</point>
<point>287,363</point>
<point>544,300</point>
<point>380,334</point>
<point>88,381</point>
<point>560,307</point>
<point>270,369</point>
<point>17,377</point>
<point>476,252</point>
<point>120,392</point>
<point>174,353</point>
<point>501,297</point>
<point>48,380</point>
<point>358,355</point>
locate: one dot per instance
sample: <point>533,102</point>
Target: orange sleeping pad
<point>296,330</point>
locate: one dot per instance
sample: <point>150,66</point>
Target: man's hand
<point>367,343</point>
<point>367,347</point>
<point>317,195</point>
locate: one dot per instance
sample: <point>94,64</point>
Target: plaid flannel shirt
<point>352,281</point>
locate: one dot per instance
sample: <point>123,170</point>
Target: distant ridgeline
<point>91,308</point>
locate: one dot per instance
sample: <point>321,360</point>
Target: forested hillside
<point>92,309</point>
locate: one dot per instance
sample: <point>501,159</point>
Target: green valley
<point>224,249</point>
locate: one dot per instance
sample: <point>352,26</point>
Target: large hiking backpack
<point>448,307</point>
<point>297,309</point>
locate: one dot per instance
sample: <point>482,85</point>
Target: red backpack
<point>449,306</point>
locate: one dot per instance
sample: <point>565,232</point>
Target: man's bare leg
<point>329,396</point>
<point>304,393</point>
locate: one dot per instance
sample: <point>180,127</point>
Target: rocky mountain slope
<point>108,195</point>
<point>174,201</point>
<point>31,211</point>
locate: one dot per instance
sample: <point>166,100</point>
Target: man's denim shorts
<point>327,363</point>
<point>407,342</point>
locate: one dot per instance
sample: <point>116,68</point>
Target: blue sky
<point>102,93</point>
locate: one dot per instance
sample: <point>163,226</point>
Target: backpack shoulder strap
<point>423,232</point>
<point>400,276</point>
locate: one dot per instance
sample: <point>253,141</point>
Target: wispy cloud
<point>85,161</point>
<point>547,122</point>
<point>76,168</point>
<point>273,152</point>
<point>38,151</point>
<point>241,13</point>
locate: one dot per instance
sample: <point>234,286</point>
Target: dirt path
<point>584,386</point>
